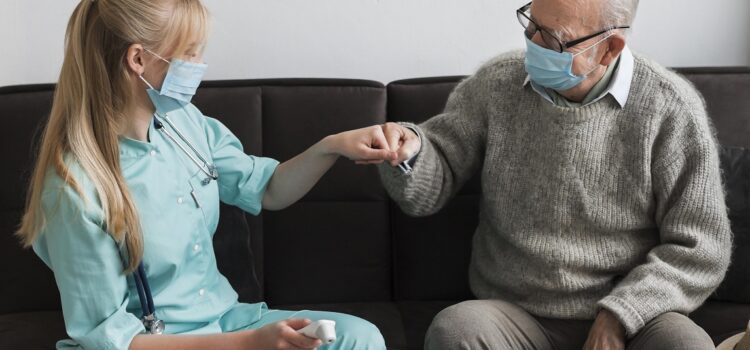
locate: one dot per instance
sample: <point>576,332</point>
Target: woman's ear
<point>134,59</point>
<point>616,44</point>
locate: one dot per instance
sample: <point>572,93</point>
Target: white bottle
<point>325,330</point>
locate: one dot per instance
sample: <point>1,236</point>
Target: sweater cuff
<point>625,313</point>
<point>416,192</point>
<point>413,128</point>
<point>391,173</point>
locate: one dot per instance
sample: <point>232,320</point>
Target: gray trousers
<point>497,325</point>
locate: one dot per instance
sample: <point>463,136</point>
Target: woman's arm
<point>279,335</point>
<point>221,341</point>
<point>295,177</point>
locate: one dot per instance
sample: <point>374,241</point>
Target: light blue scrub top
<point>100,304</point>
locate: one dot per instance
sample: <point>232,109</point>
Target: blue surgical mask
<point>552,69</point>
<point>182,79</point>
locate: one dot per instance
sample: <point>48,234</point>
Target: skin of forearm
<point>295,177</point>
<point>221,341</point>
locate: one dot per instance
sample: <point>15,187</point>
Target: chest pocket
<point>205,198</point>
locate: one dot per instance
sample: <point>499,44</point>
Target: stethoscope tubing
<point>205,167</point>
<point>144,291</point>
<point>141,281</point>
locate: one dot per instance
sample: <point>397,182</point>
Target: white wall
<point>377,39</point>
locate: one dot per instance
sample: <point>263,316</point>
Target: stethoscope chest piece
<point>153,325</point>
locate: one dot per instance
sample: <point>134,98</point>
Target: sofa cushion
<point>31,330</point>
<point>431,254</point>
<point>417,317</point>
<point>725,91</point>
<point>29,284</point>
<point>334,245</point>
<point>735,163</point>
<point>721,319</point>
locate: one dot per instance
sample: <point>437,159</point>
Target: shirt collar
<point>619,86</point>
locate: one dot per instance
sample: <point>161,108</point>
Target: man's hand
<point>401,140</point>
<point>606,333</point>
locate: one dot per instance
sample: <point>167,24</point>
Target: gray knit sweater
<point>581,208</point>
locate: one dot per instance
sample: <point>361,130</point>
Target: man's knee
<point>448,329</point>
<point>671,331</point>
<point>472,325</point>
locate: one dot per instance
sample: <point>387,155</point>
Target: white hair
<point>618,12</point>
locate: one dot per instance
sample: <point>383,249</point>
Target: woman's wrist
<point>246,339</point>
<point>329,146</point>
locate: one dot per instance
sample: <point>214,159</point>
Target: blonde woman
<point>130,174</point>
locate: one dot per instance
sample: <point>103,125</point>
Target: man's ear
<point>616,44</point>
<point>134,59</point>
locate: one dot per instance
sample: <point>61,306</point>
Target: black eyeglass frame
<point>562,45</point>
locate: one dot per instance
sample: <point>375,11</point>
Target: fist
<point>401,140</point>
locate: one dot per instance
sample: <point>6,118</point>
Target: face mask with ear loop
<point>178,88</point>
<point>182,79</point>
<point>552,69</point>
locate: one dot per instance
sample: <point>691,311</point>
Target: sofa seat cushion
<point>417,316</point>
<point>31,330</point>
<point>722,319</point>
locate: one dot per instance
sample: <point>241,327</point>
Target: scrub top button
<point>197,247</point>
<point>180,200</point>
<point>201,292</point>
<point>153,152</point>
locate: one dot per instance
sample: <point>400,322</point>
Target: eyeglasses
<point>550,40</point>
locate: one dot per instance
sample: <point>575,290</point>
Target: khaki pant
<point>497,325</point>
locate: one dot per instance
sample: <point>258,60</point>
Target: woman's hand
<point>282,336</point>
<point>364,146</point>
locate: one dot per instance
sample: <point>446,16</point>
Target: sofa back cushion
<point>26,283</point>
<point>431,254</point>
<point>334,245</point>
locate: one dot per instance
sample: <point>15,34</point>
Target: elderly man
<point>602,219</point>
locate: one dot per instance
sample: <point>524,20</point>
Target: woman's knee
<point>356,333</point>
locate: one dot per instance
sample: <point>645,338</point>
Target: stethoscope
<point>207,168</point>
<point>152,324</point>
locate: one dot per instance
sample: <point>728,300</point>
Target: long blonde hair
<point>92,93</point>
